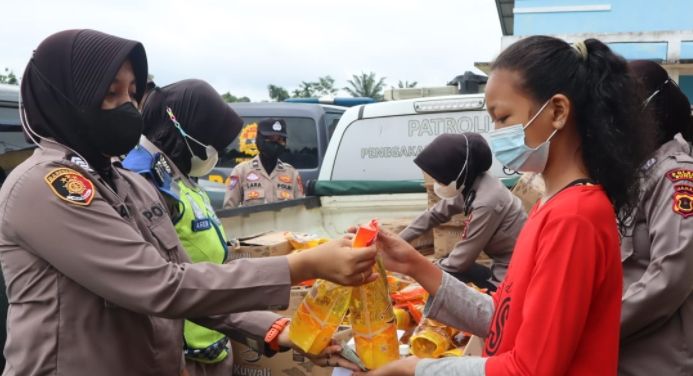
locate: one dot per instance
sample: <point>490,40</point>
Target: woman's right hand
<point>398,255</point>
<point>334,261</point>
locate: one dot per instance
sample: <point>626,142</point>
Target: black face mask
<point>273,150</point>
<point>114,132</point>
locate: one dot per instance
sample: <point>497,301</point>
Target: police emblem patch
<point>69,185</point>
<point>253,177</point>
<point>680,174</point>
<point>683,200</point>
<point>253,195</point>
<point>277,126</point>
<point>285,179</point>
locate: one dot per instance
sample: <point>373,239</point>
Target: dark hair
<point>606,102</point>
<point>668,105</point>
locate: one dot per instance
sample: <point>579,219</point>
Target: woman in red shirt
<point>571,113</point>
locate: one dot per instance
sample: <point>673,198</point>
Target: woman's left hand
<point>330,357</point>
<point>402,367</point>
<point>327,358</point>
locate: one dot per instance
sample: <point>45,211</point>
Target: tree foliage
<point>9,77</point>
<point>366,85</point>
<point>230,98</point>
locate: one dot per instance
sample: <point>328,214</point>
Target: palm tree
<point>325,86</point>
<point>366,85</point>
<point>407,84</point>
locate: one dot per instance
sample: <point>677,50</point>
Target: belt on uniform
<point>209,353</point>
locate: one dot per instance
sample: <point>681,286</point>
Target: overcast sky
<point>242,46</point>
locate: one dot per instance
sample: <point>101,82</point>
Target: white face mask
<point>450,191</point>
<point>201,167</point>
<point>198,166</point>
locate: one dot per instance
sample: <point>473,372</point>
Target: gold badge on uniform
<point>284,195</point>
<point>683,200</point>
<point>253,195</point>
<point>71,186</point>
<point>285,179</point>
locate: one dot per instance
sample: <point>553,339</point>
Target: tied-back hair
<point>606,106</point>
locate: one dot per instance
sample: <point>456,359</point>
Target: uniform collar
<point>256,164</point>
<point>674,146</point>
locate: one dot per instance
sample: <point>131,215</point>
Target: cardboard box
<point>263,245</point>
<point>529,188</point>
<point>423,243</point>
<point>249,363</point>
<point>444,239</point>
<point>295,298</point>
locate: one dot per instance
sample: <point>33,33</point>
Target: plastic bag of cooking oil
<point>371,314</point>
<point>404,319</point>
<point>317,318</point>
<point>300,242</point>
<point>431,339</point>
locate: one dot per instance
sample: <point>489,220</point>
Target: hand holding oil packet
<point>371,314</point>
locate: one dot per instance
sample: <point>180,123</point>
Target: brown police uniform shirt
<point>657,255</point>
<point>97,281</point>
<point>251,325</point>
<point>493,225</point>
<point>250,184</point>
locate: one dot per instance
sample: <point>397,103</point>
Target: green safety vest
<point>204,240</point>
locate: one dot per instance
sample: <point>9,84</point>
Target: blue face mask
<point>508,145</point>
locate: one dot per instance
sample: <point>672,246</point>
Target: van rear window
<point>301,144</point>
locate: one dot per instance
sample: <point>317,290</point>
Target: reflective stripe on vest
<point>204,240</point>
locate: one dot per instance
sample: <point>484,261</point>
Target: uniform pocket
<point>167,238</point>
<point>283,195</point>
<point>254,195</point>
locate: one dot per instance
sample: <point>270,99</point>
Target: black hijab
<point>444,158</point>
<point>71,72</point>
<point>201,112</point>
<point>669,106</point>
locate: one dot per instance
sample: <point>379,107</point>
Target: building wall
<point>601,16</point>
<point>658,30</point>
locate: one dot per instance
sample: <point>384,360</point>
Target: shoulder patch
<point>81,162</point>
<point>69,185</point>
<point>299,181</point>
<point>680,174</point>
<point>233,182</point>
<point>683,200</point>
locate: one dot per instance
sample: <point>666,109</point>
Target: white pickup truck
<point>368,170</point>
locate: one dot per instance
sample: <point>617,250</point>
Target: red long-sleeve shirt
<point>558,310</point>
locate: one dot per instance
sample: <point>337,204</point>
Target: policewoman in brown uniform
<point>186,124</point>
<point>265,178</point>
<point>657,251</point>
<point>97,280</point>
<point>459,163</point>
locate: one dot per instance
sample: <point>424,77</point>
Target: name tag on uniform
<point>201,225</point>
